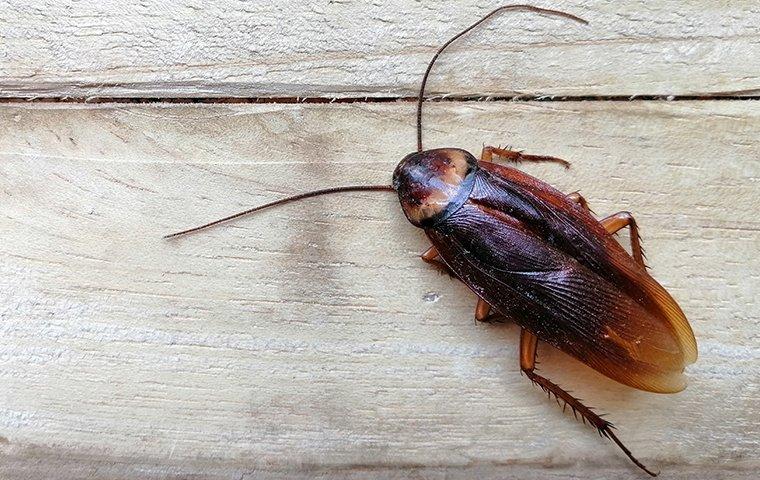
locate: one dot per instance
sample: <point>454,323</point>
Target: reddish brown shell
<point>548,264</point>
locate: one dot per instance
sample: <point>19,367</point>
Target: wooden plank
<point>311,339</point>
<point>94,48</point>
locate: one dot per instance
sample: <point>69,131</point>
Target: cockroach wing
<point>541,260</point>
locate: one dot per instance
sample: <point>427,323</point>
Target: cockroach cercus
<point>538,257</point>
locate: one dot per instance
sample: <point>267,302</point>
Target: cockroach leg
<point>482,311</point>
<point>488,153</point>
<point>576,197</point>
<point>430,255</point>
<point>528,347</point>
<point>620,220</point>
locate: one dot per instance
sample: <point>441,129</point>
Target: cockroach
<point>539,258</point>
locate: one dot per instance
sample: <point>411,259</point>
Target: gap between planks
<point>718,96</point>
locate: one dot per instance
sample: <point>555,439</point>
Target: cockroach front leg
<point>487,154</point>
<point>620,220</point>
<point>528,347</point>
<point>430,255</point>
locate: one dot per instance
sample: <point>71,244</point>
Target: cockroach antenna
<point>525,8</point>
<point>420,100</point>
<point>313,193</point>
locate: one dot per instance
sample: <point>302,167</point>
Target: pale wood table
<point>311,341</point>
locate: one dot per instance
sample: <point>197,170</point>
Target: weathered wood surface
<point>96,48</point>
<point>311,340</point>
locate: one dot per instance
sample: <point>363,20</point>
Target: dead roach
<point>538,257</point>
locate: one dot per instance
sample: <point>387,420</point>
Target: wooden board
<point>311,340</point>
<point>192,48</point>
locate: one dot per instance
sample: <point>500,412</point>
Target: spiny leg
<point>487,154</point>
<point>620,220</point>
<point>528,346</point>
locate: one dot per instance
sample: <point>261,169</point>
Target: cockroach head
<point>432,184</point>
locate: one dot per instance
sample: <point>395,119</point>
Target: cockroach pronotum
<point>538,257</point>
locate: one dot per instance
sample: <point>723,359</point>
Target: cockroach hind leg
<point>618,221</point>
<point>528,347</point>
<point>488,153</point>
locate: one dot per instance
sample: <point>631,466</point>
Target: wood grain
<point>194,48</point>
<point>310,340</point>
